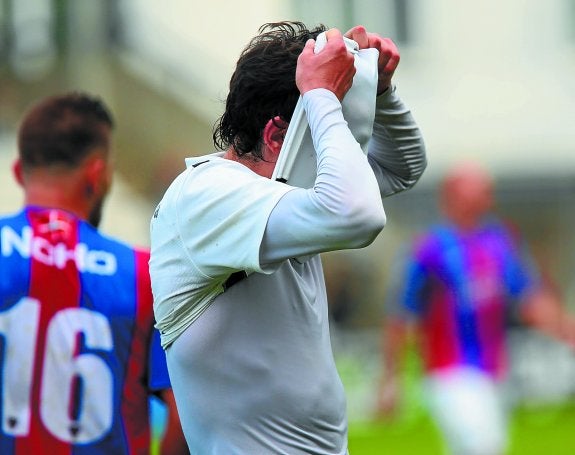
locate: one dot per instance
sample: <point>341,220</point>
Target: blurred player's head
<point>467,194</point>
<point>64,141</point>
<point>263,87</point>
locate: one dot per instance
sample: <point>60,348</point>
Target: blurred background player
<point>80,357</point>
<point>464,279</point>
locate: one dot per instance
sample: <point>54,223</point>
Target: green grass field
<point>548,430</point>
<point>534,430</point>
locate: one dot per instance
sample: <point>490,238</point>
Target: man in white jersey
<point>238,285</point>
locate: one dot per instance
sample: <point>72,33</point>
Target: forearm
<point>396,150</point>
<point>543,311</point>
<point>344,184</point>
<point>343,209</point>
<point>393,341</point>
<point>389,386</point>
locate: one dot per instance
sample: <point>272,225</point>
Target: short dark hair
<point>63,130</point>
<point>262,86</point>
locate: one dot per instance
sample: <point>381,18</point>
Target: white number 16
<point>62,369</point>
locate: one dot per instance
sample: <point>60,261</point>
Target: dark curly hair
<point>63,130</point>
<point>262,86</point>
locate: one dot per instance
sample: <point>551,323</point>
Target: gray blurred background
<point>488,80</point>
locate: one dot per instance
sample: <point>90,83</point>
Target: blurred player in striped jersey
<point>463,279</point>
<point>79,356</point>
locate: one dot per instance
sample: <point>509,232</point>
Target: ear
<point>17,171</point>
<point>273,137</point>
<point>97,175</point>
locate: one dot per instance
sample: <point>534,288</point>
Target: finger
<point>388,63</point>
<point>391,64</point>
<point>309,46</point>
<point>334,41</point>
<point>387,50</point>
<point>333,34</point>
<point>307,50</point>
<point>359,35</point>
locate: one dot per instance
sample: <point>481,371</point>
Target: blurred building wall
<point>490,80</point>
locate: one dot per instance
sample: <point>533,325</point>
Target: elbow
<point>355,217</point>
<point>418,171</point>
<point>374,226</point>
<point>366,225</point>
<point>416,166</point>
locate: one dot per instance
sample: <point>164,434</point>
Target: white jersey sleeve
<point>343,209</point>
<point>208,225</point>
<point>396,150</point>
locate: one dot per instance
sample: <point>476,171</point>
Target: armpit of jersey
<point>297,164</point>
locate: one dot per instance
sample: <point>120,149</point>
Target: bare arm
<point>544,311</point>
<point>393,341</point>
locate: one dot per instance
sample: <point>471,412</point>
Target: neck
<point>259,166</point>
<point>466,223</point>
<point>229,154</point>
<point>58,192</point>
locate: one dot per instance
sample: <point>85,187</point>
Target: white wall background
<point>491,80</point>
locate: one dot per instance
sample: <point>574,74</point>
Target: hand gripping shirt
<point>80,356</point>
<point>251,363</point>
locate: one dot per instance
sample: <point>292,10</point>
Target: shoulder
<point>429,245</point>
<point>503,229</point>
<point>209,173</point>
<point>13,218</point>
<point>432,237</point>
<point>212,183</point>
<point>120,258</point>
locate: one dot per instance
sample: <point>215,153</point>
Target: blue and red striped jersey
<point>79,355</point>
<point>461,286</point>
